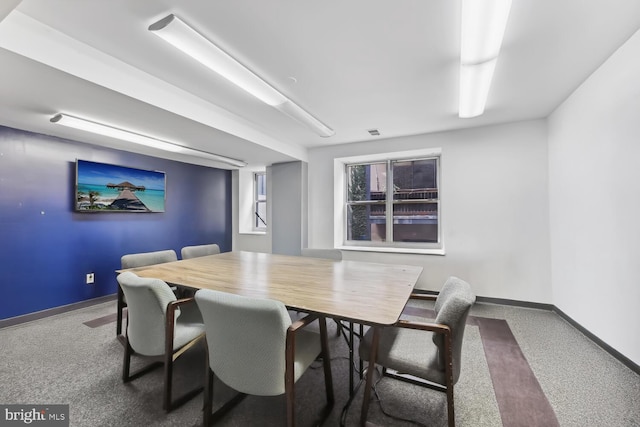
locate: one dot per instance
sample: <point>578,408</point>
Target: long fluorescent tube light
<point>137,138</point>
<point>483,26</point>
<point>475,81</point>
<point>296,112</point>
<point>177,33</point>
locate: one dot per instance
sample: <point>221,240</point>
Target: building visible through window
<point>412,208</point>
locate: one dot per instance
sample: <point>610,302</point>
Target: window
<point>412,208</point>
<point>260,201</point>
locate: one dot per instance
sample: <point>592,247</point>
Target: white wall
<point>287,207</point>
<point>594,178</point>
<point>494,196</point>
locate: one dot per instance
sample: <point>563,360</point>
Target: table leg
<point>370,369</point>
<point>351,391</point>
<point>361,363</point>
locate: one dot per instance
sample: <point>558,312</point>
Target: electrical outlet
<point>90,278</point>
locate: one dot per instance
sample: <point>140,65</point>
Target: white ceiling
<point>355,65</point>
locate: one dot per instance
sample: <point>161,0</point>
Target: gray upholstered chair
<point>199,250</point>
<point>148,258</point>
<point>158,324</point>
<point>254,348</point>
<point>139,260</point>
<point>427,350</point>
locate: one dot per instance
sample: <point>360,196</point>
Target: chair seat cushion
<point>186,332</point>
<point>407,351</point>
<point>188,326</point>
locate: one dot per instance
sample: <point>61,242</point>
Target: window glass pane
<point>261,215</point>
<point>413,178</point>
<point>366,182</point>
<point>412,211</point>
<point>260,201</point>
<point>415,222</point>
<point>261,186</point>
<point>366,222</point>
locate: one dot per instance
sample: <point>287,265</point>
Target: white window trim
<point>339,201</point>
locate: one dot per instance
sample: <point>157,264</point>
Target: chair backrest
<point>335,254</point>
<point>246,339</point>
<point>148,258</point>
<point>199,250</point>
<point>147,301</point>
<point>452,308</point>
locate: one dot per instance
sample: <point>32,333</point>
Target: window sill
<point>418,251</point>
<point>253,233</point>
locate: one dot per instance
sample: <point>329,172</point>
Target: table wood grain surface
<point>363,292</point>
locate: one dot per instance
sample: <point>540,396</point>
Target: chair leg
<point>448,348</point>
<point>210,417</point>
<point>289,386</point>
<point>208,397</point>
<point>373,354</point>
<point>326,361</point>
<point>127,376</point>
<point>168,376</point>
<point>126,363</point>
<point>450,412</point>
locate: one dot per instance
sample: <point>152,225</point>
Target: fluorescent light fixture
<point>137,138</point>
<point>177,33</point>
<point>296,112</point>
<point>483,26</point>
<point>475,81</point>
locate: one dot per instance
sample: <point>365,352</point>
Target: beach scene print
<point>103,187</point>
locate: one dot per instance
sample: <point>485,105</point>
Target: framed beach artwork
<point>101,187</point>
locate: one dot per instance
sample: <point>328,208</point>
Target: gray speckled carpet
<point>61,360</point>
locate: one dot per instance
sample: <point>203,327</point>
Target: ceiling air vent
<point>374,132</point>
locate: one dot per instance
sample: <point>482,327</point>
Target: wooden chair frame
<point>120,306</point>
<point>290,348</point>
<point>423,326</point>
<point>170,356</point>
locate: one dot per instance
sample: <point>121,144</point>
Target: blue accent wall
<point>46,248</point>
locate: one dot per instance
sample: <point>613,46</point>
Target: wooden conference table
<point>361,292</point>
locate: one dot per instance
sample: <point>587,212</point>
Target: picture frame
<point>103,187</point>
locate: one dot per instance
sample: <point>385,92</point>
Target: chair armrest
<point>424,326</point>
<point>170,315</point>
<point>170,318</point>
<point>181,301</point>
<point>423,297</point>
<point>173,306</point>
<point>446,357</point>
<point>290,343</point>
<point>290,348</point>
<point>301,323</point>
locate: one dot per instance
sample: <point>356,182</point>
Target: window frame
<point>341,204</point>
